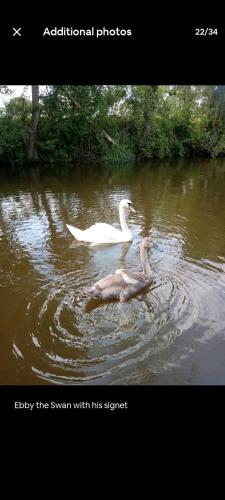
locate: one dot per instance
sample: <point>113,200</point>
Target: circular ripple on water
<point>74,340</point>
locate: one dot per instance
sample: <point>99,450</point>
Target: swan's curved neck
<point>123,220</point>
<point>144,262</point>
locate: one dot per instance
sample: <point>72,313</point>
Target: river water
<point>172,333</point>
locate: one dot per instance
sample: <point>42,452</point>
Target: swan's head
<point>128,205</point>
<point>146,243</point>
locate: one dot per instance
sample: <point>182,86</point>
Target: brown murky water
<point>173,333</point>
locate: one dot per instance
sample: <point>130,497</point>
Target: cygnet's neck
<point>144,261</point>
<point>123,220</point>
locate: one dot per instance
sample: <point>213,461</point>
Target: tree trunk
<point>31,150</point>
<point>109,138</point>
<point>150,105</point>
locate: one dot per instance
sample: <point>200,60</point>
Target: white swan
<point>105,233</point>
<point>124,283</point>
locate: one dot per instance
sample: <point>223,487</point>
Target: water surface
<point>173,333</point>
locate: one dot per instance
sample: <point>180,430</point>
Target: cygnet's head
<point>146,243</point>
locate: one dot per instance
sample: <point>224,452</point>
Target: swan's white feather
<point>101,232</point>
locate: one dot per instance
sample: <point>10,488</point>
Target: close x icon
<point>16,32</point>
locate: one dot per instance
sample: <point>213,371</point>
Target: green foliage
<point>116,124</point>
<point>14,127</point>
<point>219,148</point>
<point>118,153</point>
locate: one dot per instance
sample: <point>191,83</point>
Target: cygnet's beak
<point>131,209</point>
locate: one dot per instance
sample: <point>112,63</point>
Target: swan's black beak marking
<point>131,208</point>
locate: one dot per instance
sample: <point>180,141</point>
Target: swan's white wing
<point>102,232</point>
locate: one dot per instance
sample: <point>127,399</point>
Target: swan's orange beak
<point>131,209</point>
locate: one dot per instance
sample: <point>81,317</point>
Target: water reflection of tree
<point>184,199</point>
<point>12,255</point>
